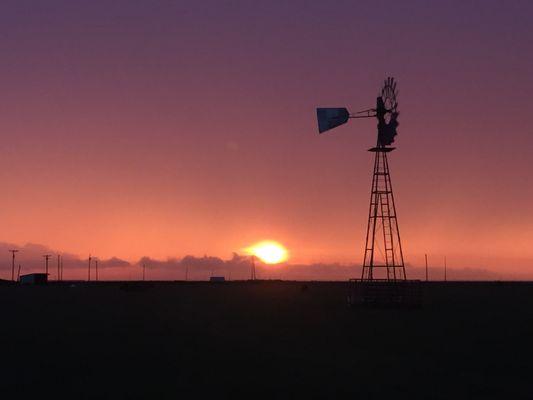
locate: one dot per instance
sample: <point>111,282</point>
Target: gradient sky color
<point>167,128</point>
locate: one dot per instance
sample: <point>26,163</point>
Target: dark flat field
<point>264,339</point>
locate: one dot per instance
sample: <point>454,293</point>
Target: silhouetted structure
<point>34,279</point>
<point>58,267</point>
<point>382,229</point>
<point>383,248</point>
<point>46,258</point>
<point>89,269</point>
<point>253,277</point>
<point>427,272</point>
<point>13,252</point>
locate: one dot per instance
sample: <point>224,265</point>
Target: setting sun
<point>269,252</point>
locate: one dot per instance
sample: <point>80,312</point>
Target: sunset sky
<point>166,128</point>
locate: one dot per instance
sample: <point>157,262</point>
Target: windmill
<point>383,249</point>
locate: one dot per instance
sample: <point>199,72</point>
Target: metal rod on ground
<point>13,263</point>
<point>426,267</point>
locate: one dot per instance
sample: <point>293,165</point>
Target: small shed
<point>217,279</point>
<point>34,279</point>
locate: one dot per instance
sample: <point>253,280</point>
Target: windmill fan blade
<point>329,118</point>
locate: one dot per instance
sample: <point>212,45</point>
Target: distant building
<point>34,279</point>
<point>217,279</point>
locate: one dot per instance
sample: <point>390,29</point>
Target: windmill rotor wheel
<point>388,96</point>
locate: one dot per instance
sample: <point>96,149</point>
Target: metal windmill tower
<point>383,259</point>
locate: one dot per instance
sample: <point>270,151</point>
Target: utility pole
<point>89,271</point>
<point>186,273</point>
<point>18,275</point>
<point>445,277</point>
<point>144,272</point>
<point>96,268</point>
<point>426,267</point>
<point>13,263</point>
<point>58,268</point>
<point>253,268</point>
<point>46,258</point>
<point>61,269</point>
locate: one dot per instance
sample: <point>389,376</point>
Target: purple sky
<point>164,128</point>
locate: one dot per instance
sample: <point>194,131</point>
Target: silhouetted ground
<point>266,339</point>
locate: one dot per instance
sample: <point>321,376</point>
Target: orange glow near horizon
<point>268,251</point>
